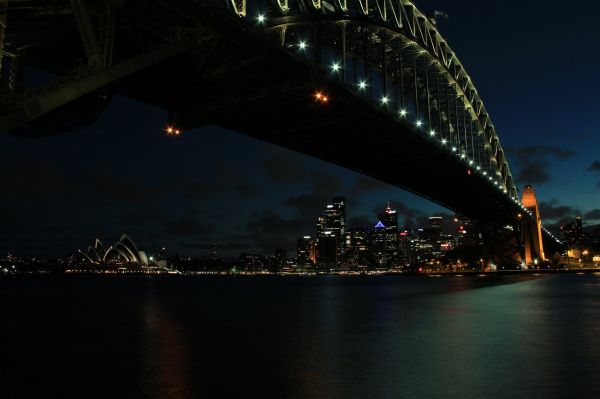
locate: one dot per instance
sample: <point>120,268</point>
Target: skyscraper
<point>377,246</point>
<point>357,248</point>
<point>390,220</point>
<point>331,231</point>
<point>305,255</point>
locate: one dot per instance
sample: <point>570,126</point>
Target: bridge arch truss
<point>392,54</point>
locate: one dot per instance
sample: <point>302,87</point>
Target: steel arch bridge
<point>368,74</point>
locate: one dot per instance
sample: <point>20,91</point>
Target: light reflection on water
<point>165,352</point>
<point>331,337</point>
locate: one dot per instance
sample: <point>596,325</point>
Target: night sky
<point>536,69</point>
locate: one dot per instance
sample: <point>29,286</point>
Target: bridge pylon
<point>532,229</point>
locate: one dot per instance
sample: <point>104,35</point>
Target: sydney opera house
<point>124,253</point>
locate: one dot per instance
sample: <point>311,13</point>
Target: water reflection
<point>165,353</point>
<point>329,337</point>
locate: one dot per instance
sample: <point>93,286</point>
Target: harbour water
<point>314,337</point>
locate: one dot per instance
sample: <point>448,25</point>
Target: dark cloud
<point>227,180</point>
<point>552,210</point>
<point>307,205</point>
<point>364,185</point>
<point>115,187</point>
<point>537,151</point>
<point>401,208</point>
<point>188,226</point>
<point>193,189</point>
<point>33,180</point>
<point>282,170</point>
<point>594,167</point>
<point>247,191</point>
<point>325,185</point>
<point>270,231</point>
<point>534,172</point>
<point>592,215</point>
<point>533,162</point>
<point>361,222</point>
<point>141,216</point>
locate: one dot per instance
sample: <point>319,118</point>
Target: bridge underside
<point>262,92</point>
<point>235,78</point>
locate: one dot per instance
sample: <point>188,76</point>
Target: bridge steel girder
<point>87,32</point>
<point>43,103</point>
<point>424,93</point>
<point>3,9</point>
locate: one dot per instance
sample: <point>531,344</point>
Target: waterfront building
<point>305,251</point>
<point>377,246</point>
<point>331,231</point>
<point>357,248</point>
<point>389,218</point>
<point>123,253</point>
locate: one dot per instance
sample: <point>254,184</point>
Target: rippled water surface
<point>327,337</point>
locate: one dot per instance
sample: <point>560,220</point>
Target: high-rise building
<point>331,232</point>
<point>357,248</point>
<point>327,251</point>
<point>436,223</point>
<point>377,246</point>
<point>161,254</point>
<point>305,252</point>
<point>467,233</point>
<point>573,232</point>
<point>389,218</point>
<point>214,252</point>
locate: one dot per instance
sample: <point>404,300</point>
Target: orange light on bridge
<point>171,131</point>
<point>321,97</point>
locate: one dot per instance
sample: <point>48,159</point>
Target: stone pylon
<point>532,228</point>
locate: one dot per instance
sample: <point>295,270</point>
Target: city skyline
<point>211,184</point>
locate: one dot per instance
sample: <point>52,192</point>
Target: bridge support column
<point>502,246</point>
<point>3,10</point>
<point>86,30</point>
<point>532,228</point>
<point>16,73</point>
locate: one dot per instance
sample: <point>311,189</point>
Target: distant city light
<point>385,100</point>
<point>432,132</point>
<point>302,45</point>
<point>362,85</point>
<point>419,123</point>
<point>403,112</point>
<point>335,66</point>
<point>444,141</point>
<point>260,18</point>
<point>454,149</point>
